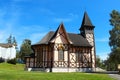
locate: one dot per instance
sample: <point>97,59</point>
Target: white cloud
<point>6,24</point>
<point>46,11</point>
<point>73,15</point>
<point>103,55</point>
<point>35,37</point>
<point>102,40</point>
<point>69,17</point>
<point>9,15</point>
<point>3,36</point>
<point>62,19</point>
<point>32,32</point>
<point>32,28</point>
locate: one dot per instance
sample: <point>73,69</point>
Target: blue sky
<point>32,19</point>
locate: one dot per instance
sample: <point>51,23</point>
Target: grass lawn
<point>16,72</point>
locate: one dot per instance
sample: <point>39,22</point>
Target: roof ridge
<point>77,40</point>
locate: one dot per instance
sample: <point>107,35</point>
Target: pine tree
<point>9,40</point>
<point>114,40</point>
<point>14,42</point>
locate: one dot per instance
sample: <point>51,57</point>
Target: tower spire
<point>87,31</point>
<point>86,23</point>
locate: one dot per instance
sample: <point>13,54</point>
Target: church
<point>60,51</point>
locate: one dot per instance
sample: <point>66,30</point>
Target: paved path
<point>116,76</point>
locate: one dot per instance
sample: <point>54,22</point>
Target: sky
<point>33,19</point>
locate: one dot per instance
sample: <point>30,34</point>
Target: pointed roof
<point>46,39</point>
<point>77,40</point>
<point>86,21</point>
<point>74,39</point>
<point>61,26</point>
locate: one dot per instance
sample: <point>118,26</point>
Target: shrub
<point>2,60</point>
<point>12,61</point>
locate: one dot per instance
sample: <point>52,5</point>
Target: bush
<point>12,61</point>
<point>2,60</point>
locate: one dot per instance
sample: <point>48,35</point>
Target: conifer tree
<point>114,40</point>
<point>9,40</point>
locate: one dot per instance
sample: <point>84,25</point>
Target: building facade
<point>60,51</point>
<point>7,51</point>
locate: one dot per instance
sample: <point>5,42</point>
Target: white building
<point>7,51</point>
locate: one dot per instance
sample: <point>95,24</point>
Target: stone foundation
<point>61,69</point>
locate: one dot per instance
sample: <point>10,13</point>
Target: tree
<point>9,40</point>
<point>114,40</point>
<point>25,49</point>
<point>12,40</point>
<point>100,63</point>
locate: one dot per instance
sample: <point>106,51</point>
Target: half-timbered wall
<point>47,56</point>
<point>57,61</point>
<point>80,57</point>
<point>43,56</point>
<point>90,38</point>
<point>73,56</point>
<point>30,62</point>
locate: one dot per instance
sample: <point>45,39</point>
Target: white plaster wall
<point>61,69</point>
<point>90,38</point>
<point>38,69</point>
<point>8,53</point>
<point>60,39</point>
<point>65,55</point>
<point>72,69</point>
<point>55,55</point>
<point>72,57</point>
<point>93,58</point>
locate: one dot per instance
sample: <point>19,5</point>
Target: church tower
<point>87,31</point>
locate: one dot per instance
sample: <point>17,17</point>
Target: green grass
<point>16,72</point>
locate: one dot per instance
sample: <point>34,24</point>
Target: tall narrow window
<point>60,55</point>
<point>81,57</point>
<point>60,52</point>
<point>77,57</point>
